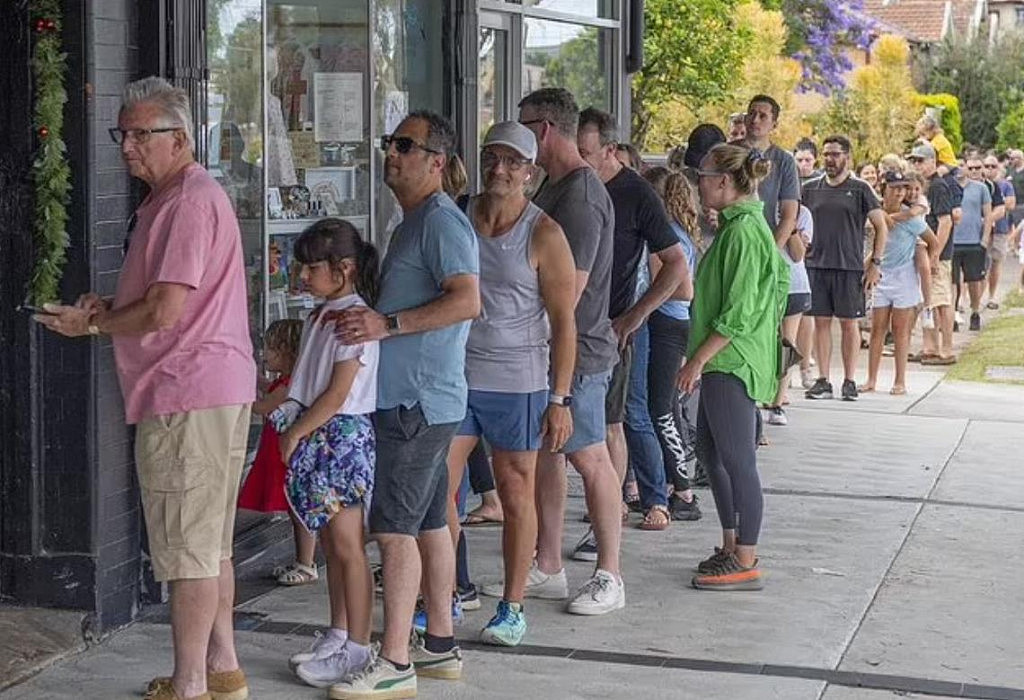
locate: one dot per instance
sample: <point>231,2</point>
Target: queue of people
<point>627,323</point>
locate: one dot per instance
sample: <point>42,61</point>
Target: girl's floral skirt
<point>331,469</point>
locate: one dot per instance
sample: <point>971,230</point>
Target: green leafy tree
<point>988,79</point>
<point>578,68</point>
<point>692,52</point>
<point>1010,129</point>
<point>878,110</point>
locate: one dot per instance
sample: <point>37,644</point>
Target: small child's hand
<point>289,442</point>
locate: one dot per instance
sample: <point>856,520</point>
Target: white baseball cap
<point>514,135</point>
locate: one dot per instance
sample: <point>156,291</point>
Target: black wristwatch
<point>560,400</point>
<point>877,262</point>
<point>393,325</point>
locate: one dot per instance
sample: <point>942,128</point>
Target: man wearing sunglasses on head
<point>574,196</point>
<point>429,293</point>
<point>995,174</point>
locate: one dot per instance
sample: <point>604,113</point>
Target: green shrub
<point>1010,129</point>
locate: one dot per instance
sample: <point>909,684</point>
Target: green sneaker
<point>446,665</point>
<point>380,680</point>
<point>507,627</point>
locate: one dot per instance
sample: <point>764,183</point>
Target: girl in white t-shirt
<point>328,443</point>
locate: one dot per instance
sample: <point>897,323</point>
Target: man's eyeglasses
<point>531,122</point>
<point>119,136</point>
<point>404,144</point>
<point>490,160</point>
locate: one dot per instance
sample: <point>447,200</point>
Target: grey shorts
<point>588,421</point>
<point>410,494</point>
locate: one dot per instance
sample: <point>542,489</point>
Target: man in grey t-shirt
<point>780,190</point>
<point>574,197</point>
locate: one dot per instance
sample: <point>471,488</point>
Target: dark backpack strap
<point>462,202</point>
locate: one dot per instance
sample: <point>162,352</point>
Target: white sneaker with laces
<point>321,673</point>
<point>323,646</point>
<point>538,585</point>
<point>603,593</point>
<point>777,416</point>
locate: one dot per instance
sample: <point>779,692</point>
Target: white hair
<point>172,101</point>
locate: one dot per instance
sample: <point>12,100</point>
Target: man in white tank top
<point>525,333</point>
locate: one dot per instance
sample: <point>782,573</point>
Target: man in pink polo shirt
<point>184,359</point>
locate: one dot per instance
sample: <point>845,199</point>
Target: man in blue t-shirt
<point>429,293</point>
<point>971,237</point>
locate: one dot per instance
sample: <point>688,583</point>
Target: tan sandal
<point>298,574</point>
<point>657,517</point>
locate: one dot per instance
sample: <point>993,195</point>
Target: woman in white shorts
<point>899,289</point>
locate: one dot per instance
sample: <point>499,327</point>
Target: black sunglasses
<point>404,144</point>
<point>531,122</point>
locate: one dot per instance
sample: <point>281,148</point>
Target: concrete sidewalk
<point>888,546</point>
<point>885,546</point>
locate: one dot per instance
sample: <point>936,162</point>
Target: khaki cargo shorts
<point>190,465</point>
<point>942,285</point>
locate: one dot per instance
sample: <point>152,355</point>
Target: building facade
<point>290,100</point>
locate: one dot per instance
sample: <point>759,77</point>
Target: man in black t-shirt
<point>941,202</point>
<point>641,227</point>
<point>840,205</point>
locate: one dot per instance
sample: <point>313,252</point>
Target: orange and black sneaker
<point>727,574</point>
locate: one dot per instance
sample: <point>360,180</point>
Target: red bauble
<point>40,25</point>
<point>43,132</point>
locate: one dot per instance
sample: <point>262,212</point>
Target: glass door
<point>231,140</point>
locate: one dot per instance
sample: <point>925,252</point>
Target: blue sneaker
<point>507,627</point>
<point>419,619</point>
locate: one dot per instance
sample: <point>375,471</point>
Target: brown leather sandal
<point>657,517</point>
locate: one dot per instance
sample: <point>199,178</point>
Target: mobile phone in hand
<point>30,309</point>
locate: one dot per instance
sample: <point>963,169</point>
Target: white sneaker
<point>958,318</point>
<point>777,416</point>
<point>538,585</point>
<point>323,646</point>
<point>602,594</point>
<point>807,378</point>
<point>927,320</point>
<point>321,673</point>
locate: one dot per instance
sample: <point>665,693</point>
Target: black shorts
<point>798,303</point>
<point>618,388</point>
<point>972,260</point>
<point>836,293</point>
<point>410,493</point>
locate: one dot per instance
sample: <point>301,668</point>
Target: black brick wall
<point>112,62</point>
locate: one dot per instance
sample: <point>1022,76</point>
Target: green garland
<point>51,174</point>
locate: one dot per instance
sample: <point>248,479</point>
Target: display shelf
<point>291,227</point>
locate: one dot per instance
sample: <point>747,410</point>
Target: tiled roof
<point>917,20</point>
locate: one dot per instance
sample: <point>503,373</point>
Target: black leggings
<point>674,417</point>
<point>481,478</point>
<point>727,444</point>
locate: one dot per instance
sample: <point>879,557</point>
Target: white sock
<point>337,633</point>
<point>358,652</point>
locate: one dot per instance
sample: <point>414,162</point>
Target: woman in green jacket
<point>739,297</point>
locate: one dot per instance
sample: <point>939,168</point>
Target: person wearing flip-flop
<point>525,333</point>
<point>898,292</point>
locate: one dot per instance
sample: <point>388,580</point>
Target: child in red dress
<point>264,487</point>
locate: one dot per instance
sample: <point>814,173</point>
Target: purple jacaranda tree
<point>821,31</point>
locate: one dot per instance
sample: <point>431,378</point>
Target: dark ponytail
<point>334,240</point>
<point>368,273</point>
